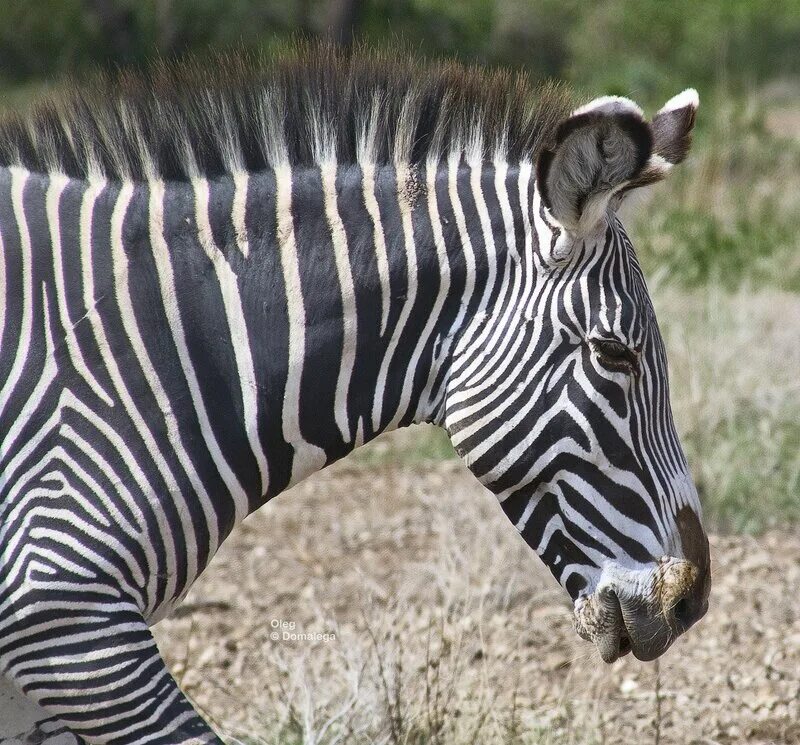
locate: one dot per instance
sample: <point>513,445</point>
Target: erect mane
<point>310,105</point>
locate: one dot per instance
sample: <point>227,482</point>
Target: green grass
<point>734,360</point>
<point>747,469</point>
<point>761,249</point>
<point>730,215</point>
<point>413,446</point>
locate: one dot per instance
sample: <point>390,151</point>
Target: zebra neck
<point>244,331</point>
<point>379,269</point>
<point>378,283</point>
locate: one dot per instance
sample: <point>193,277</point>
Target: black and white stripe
<point>183,339</point>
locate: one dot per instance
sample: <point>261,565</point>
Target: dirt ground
<point>436,624</point>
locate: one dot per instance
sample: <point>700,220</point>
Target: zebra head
<point>558,399</point>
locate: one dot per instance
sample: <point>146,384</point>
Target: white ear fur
<point>610,105</point>
<point>672,136</point>
<point>688,98</point>
<point>605,148</point>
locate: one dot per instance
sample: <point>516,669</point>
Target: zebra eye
<point>616,356</point>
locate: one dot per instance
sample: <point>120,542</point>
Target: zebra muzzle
<point>643,610</point>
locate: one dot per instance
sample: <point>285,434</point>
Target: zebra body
<point>167,343</point>
<point>176,351</point>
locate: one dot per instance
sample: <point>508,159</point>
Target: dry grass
<point>730,215</point>
<point>448,631</point>
<point>734,361</point>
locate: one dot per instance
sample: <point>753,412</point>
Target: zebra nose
<point>677,599</point>
<point>687,602</point>
<point>643,610</point>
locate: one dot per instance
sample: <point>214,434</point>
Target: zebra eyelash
<point>616,356</point>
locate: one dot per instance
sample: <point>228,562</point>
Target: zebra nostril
<point>684,594</point>
<point>682,612</point>
<point>688,611</point>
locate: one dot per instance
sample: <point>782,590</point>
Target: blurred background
<point>720,245</point>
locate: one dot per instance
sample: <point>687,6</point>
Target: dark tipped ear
<point>672,137</point>
<point>672,126</point>
<point>597,151</point>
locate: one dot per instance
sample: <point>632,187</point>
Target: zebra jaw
<point>637,610</point>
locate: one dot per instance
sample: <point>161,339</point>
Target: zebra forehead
<point>242,111</point>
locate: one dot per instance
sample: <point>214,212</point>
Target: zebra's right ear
<point>595,153</point>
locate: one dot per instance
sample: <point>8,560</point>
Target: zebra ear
<point>596,152</point>
<point>672,137</point>
<point>672,126</point>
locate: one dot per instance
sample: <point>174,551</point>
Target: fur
<point>309,105</point>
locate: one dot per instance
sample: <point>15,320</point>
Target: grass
<point>424,673</point>
<point>420,705</point>
<point>734,360</point>
<point>409,447</point>
<point>730,215</point>
<point>441,613</point>
<point>451,634</point>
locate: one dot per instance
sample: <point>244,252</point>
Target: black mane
<point>242,112</point>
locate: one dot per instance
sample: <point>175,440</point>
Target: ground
<point>443,628</point>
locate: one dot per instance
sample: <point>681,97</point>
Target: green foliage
<point>747,468</point>
<point>414,446</point>
<point>650,48</point>
<point>56,37</point>
<point>730,214</point>
<point>642,47</point>
<point>455,29</point>
<point>759,249</point>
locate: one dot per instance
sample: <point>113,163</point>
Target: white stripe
<point>18,179</point>
<point>54,191</point>
<point>308,458</point>
<point>169,297</point>
<point>381,257</point>
<point>240,341</point>
<point>239,211</point>
<point>348,294</point>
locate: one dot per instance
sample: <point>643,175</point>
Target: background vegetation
<point>720,241</point>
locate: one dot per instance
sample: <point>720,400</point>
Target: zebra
<point>220,278</point>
